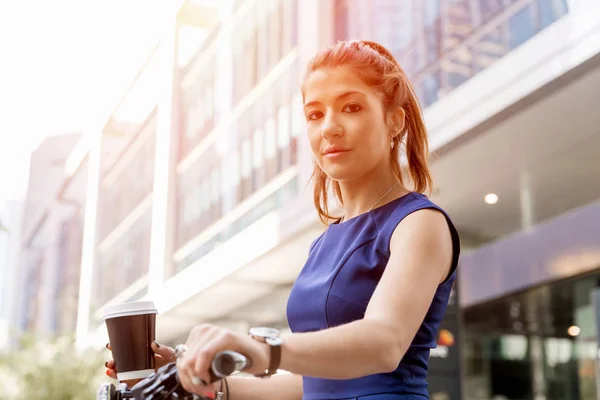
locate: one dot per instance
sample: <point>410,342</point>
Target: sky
<point>63,63</point>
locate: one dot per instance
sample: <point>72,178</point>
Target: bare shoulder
<point>426,235</point>
<point>425,223</point>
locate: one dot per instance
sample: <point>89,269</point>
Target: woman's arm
<point>421,254</point>
<point>283,387</point>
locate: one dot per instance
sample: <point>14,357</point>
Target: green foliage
<point>50,369</point>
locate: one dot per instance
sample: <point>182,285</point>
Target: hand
<point>163,356</point>
<point>204,342</point>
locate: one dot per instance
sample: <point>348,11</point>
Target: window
<point>126,260</point>
<point>521,27</point>
<point>431,12</point>
<point>246,158</point>
<point>275,34</point>
<point>271,148</point>
<point>192,195</point>
<point>283,137</point>
<point>550,11</point>
<point>215,182</point>
<point>263,45</point>
<point>489,8</point>
<point>246,181</point>
<point>185,212</point>
<point>283,126</point>
<point>135,178</point>
<point>286,16</point>
<point>250,61</point>
<point>429,88</point>
<point>238,70</point>
<point>198,106</point>
<point>192,118</point>
<point>258,142</point>
<point>298,120</point>
<point>226,184</point>
<point>459,23</point>
<point>258,173</point>
<point>209,102</point>
<point>205,201</point>
<point>236,180</point>
<point>271,140</point>
<point>298,126</point>
<point>488,50</point>
<point>215,194</point>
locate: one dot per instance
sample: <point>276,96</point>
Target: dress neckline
<point>360,216</point>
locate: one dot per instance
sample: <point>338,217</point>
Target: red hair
<point>379,69</point>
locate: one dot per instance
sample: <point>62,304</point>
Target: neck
<point>362,194</point>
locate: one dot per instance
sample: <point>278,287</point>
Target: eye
<point>352,108</point>
<point>314,115</point>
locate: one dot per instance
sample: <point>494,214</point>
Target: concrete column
<point>88,249</point>
<point>537,365</point>
<point>527,202</point>
<point>160,250</point>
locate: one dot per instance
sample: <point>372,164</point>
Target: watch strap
<point>275,357</point>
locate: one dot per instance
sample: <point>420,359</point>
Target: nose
<point>331,127</point>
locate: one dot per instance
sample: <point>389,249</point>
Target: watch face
<point>264,332</point>
<point>274,341</point>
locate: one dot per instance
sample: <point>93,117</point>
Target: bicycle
<point>164,383</point>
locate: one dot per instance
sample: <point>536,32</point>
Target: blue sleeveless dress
<point>335,285</point>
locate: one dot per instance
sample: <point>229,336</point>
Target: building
<point>10,230</point>
<point>201,204</point>
<point>183,172</point>
<point>48,243</point>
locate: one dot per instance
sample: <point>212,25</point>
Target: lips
<point>332,150</point>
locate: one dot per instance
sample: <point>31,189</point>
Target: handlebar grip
<point>227,362</point>
<point>165,385</point>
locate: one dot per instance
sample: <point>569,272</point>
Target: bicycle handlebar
<point>164,384</point>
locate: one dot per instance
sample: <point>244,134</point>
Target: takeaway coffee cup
<point>131,330</point>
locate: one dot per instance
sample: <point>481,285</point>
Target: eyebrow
<point>341,96</point>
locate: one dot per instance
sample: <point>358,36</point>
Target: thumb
<point>164,351</point>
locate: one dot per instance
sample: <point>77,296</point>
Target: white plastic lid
<point>126,309</point>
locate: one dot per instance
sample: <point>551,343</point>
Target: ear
<point>396,121</point>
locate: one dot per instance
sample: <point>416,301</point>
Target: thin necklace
<point>377,202</point>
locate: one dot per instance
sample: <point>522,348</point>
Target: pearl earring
<point>392,144</point>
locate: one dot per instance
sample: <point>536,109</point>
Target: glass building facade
<point>541,340</point>
<point>125,213</point>
<point>443,43</point>
<point>238,149</point>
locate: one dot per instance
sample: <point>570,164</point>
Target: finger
<point>108,346</point>
<point>111,373</point>
<point>201,365</point>
<point>198,385</point>
<point>110,364</point>
<point>201,335</point>
<point>165,352</point>
<point>190,381</point>
<point>184,377</point>
<point>203,341</point>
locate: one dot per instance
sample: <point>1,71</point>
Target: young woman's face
<point>346,124</point>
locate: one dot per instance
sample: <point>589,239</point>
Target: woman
<point>366,307</point>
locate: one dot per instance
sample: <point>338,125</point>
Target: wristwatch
<point>271,337</point>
